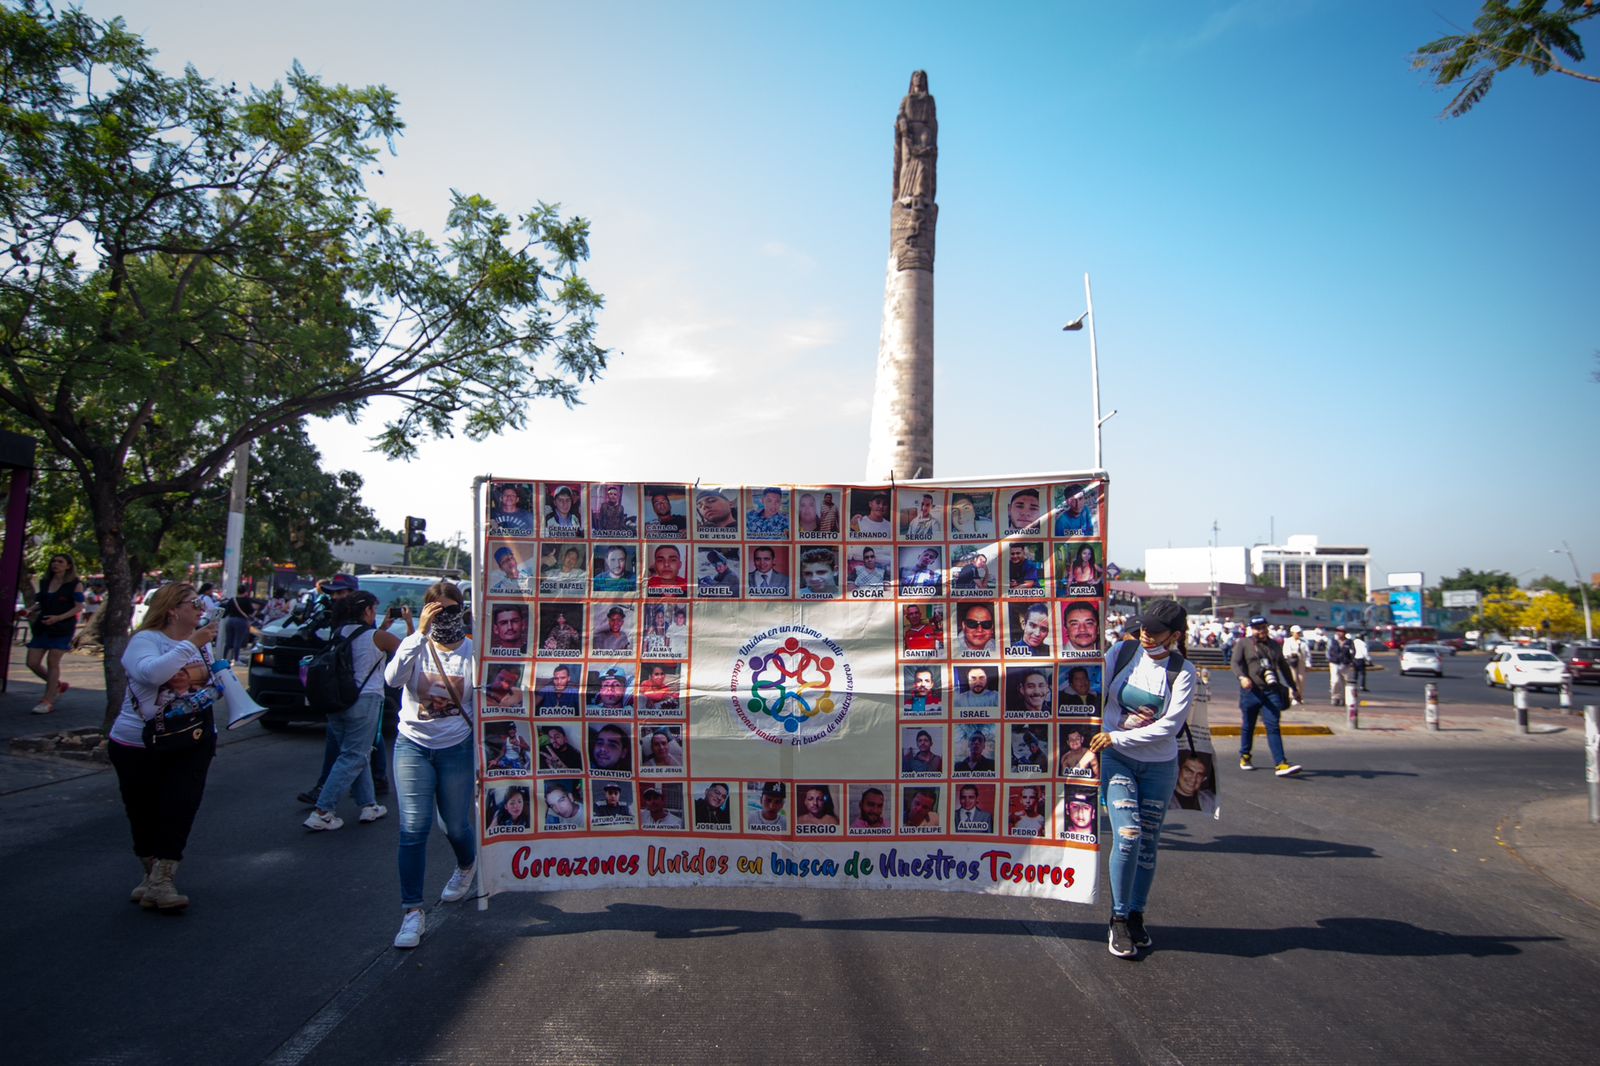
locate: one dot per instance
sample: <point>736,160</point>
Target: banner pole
<point>480,602</point>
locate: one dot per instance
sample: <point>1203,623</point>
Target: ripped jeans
<point>1136,794</point>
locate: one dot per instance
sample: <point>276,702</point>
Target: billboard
<point>846,685</point>
<point>1406,608</point>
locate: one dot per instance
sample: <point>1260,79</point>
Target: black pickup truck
<point>274,680</point>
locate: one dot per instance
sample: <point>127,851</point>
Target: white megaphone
<point>237,704</point>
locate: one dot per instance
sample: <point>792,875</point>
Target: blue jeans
<point>1267,705</point>
<point>1136,794</point>
<point>352,730</point>
<point>235,635</point>
<point>425,778</point>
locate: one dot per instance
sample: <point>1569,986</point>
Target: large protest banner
<point>880,686</point>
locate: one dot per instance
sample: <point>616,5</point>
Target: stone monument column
<point>900,440</point>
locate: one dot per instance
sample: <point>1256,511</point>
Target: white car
<point>1421,659</point>
<point>1525,668</point>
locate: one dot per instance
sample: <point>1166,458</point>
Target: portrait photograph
<point>666,512</point>
<point>819,573</point>
<point>717,573</point>
<point>561,628</point>
<point>817,513</point>
<point>975,748</point>
<point>1028,690</point>
<point>1078,690</point>
<point>1079,814</point>
<point>661,749</point>
<point>511,567</point>
<point>1077,509</point>
<point>1080,629</point>
<point>1028,631</point>
<point>1025,569</point>
<point>613,510</point>
<point>977,633</point>
<point>1027,810</point>
<point>563,510</point>
<point>608,691</point>
<point>766,513</point>
<point>503,692</point>
<point>871,517</point>
<point>768,575</point>
<point>511,509</point>
<point>508,628</point>
<point>922,630</point>
<point>507,809</point>
<point>922,691</point>
<point>507,749</point>
<point>667,565</point>
<point>974,570</point>
<point>610,749</point>
<point>871,809</point>
<point>666,631</point>
<point>977,692</point>
<point>974,809</point>
<point>560,747</point>
<point>661,806</point>
<point>1023,508</point>
<point>716,513</point>
<point>1196,789</point>
<point>561,803</point>
<point>922,809</point>
<point>922,750</point>
<point>1079,569</point>
<point>920,514</point>
<point>563,569</point>
<point>1028,749</point>
<point>612,805</point>
<point>713,806</point>
<point>615,568</point>
<point>871,571</point>
<point>1074,758</point>
<point>921,570</point>
<point>766,807</point>
<point>659,693</point>
<point>971,515</point>
<point>613,636</point>
<point>557,691</point>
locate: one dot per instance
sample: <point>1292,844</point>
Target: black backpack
<point>330,675</point>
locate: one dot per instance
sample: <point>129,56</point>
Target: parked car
<point>1585,663</point>
<point>1421,659</point>
<point>274,680</point>
<point>1525,668</point>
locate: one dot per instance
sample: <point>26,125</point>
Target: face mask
<point>449,626</point>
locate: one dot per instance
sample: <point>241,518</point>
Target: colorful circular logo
<point>792,685</point>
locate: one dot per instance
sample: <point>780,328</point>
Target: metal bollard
<point>1566,694</point>
<point>1591,759</point>
<point>1519,700</point>
<point>1352,704</point>
<point>1430,707</point>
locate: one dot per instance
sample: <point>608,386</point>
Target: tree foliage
<point>1344,590</point>
<point>186,266</point>
<point>1507,33</point>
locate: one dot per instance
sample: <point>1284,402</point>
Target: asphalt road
<point>1362,912</point>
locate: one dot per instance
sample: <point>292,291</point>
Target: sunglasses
<point>970,624</point>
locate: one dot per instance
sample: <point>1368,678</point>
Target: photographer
<point>1265,682</point>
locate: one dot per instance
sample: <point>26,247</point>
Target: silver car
<point>1421,659</point>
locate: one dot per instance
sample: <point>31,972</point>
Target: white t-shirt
<point>151,658</point>
<point>365,655</point>
<point>427,716</point>
<point>1156,742</point>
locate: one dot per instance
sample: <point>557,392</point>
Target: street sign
<point>1463,598</point>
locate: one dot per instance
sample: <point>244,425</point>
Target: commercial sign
<point>1463,598</point>
<point>838,685</point>
<point>1406,608</point>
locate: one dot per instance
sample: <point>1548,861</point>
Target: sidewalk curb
<point>1285,730</point>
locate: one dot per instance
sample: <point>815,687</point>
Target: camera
<point>1269,677</point>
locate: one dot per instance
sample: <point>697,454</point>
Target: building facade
<point>1304,566</point>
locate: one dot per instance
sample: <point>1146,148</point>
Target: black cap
<point>1257,620</point>
<point>1164,616</point>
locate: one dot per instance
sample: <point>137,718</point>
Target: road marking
<point>345,1001</point>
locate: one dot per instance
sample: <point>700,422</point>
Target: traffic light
<point>415,535</point>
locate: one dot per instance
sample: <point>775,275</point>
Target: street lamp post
<point>1094,367</point>
<point>1583,590</point>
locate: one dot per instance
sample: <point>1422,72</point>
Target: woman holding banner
<point>1148,693</point>
<point>433,755</point>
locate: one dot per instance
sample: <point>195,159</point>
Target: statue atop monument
<point>916,159</point>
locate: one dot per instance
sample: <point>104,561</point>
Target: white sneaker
<point>317,820</point>
<point>42,707</point>
<point>459,885</point>
<point>410,934</point>
<point>373,811</point>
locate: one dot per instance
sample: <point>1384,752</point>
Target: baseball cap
<point>1257,620</point>
<point>342,583</point>
<point>1164,616</point>
<point>773,788</point>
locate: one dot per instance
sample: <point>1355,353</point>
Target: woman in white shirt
<point>352,730</point>
<point>162,790</point>
<point>1147,699</point>
<point>434,764</point>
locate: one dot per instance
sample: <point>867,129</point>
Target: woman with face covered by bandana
<point>433,755</point>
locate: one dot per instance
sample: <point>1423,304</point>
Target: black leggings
<point>161,793</point>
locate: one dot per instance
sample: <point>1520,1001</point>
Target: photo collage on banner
<point>995,596</point>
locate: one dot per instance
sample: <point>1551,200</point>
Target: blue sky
<point>1322,308</point>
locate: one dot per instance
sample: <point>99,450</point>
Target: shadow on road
<point>1350,936</point>
<point>1364,774</point>
<point>1291,847</point>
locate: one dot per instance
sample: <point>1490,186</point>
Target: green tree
<point>1507,33</point>
<point>1551,614</point>
<point>1344,590</point>
<point>190,266</point>
<point>1484,581</point>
